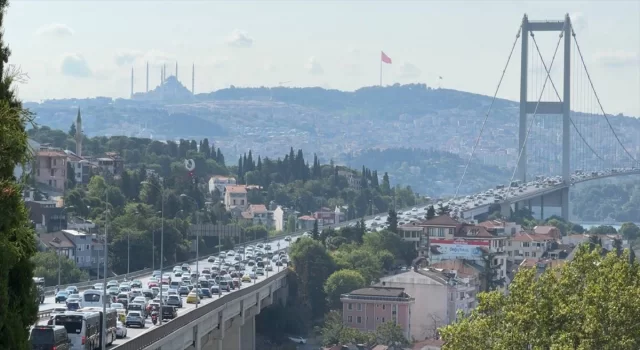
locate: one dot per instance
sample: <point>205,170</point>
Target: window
<point>526,253</point>
<point>242,202</point>
<point>350,306</point>
<point>234,202</point>
<point>383,306</point>
<point>359,307</point>
<point>54,161</point>
<point>79,248</point>
<point>350,319</point>
<point>359,319</point>
<point>383,320</point>
<point>88,247</point>
<point>525,244</point>
<point>533,254</point>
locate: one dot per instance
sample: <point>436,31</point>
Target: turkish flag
<point>385,58</point>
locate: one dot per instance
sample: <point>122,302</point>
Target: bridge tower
<point>544,107</point>
<point>529,107</point>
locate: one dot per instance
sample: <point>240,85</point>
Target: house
<point>550,231</point>
<point>81,167</point>
<point>47,216</point>
<point>326,216</point>
<point>59,243</point>
<point>306,222</point>
<point>607,240</point>
<point>219,183</point>
<point>235,196</point>
<point>85,244</point>
<point>367,308</point>
<point>258,214</point>
<point>51,168</point>
<point>352,179</point>
<point>501,227</point>
<point>438,294</point>
<point>112,163</point>
<point>528,245</point>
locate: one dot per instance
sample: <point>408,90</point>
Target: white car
<point>121,330</point>
<point>298,340</point>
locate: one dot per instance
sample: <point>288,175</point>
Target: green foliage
<point>630,231</point>
<point>47,266</point>
<point>341,282</point>
<point>392,221</point>
<point>313,265</point>
<point>588,303</point>
<point>17,239</point>
<point>335,332</point>
<point>390,334</point>
<point>602,200</point>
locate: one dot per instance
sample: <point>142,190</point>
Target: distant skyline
<point>87,48</point>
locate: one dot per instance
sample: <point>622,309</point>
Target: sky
<point>88,48</point>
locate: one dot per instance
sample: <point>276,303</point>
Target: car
<point>193,298</point>
<point>287,238</point>
<point>297,339</point>
<point>183,290</point>
<point>174,300</point>
<point>225,285</point>
<point>123,298</point>
<point>211,259</point>
<point>61,296</point>
<point>246,278</point>
<point>121,330</point>
<point>260,271</point>
<point>169,312</point>
<point>113,291</point>
<point>112,283</point>
<point>72,290</point>
<point>268,268</point>
<point>136,284</point>
<point>134,318</point>
<point>137,307</point>
<point>49,337</point>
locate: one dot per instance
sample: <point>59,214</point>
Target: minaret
<point>147,77</point>
<point>79,134</point>
<point>164,73</point>
<point>132,82</point>
<point>161,77</point>
<point>176,70</point>
<point>193,79</point>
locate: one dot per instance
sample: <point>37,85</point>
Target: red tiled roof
<point>257,208</point>
<point>428,342</point>
<point>246,215</point>
<point>442,220</point>
<point>51,153</point>
<point>544,230</point>
<point>236,189</point>
<point>307,217</point>
<point>526,237</point>
<point>473,231</point>
<point>491,224</point>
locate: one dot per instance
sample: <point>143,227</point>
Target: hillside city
<point>290,218</point>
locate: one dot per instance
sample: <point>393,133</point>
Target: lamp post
<point>104,272</point>
<point>161,188</point>
<point>197,244</point>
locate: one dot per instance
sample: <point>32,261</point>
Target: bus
<point>93,298</point>
<point>83,329</point>
<point>111,325</point>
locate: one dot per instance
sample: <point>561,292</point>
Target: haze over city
<point>329,44</point>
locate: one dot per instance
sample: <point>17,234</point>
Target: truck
<point>39,282</point>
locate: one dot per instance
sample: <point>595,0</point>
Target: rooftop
<point>51,153</point>
<point>527,237</point>
<point>257,208</point>
<point>380,292</point>
<point>56,240</point>
<point>235,189</point>
<point>75,232</point>
<point>442,220</point>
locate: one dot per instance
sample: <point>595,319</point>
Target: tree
<point>71,176</point>
<point>313,265</point>
<point>392,221</point>
<point>335,332</point>
<point>72,130</point>
<point>391,334</point>
<point>431,212</point>
<point>315,234</point>
<point>630,231</point>
<point>291,224</point>
<point>588,303</point>
<point>341,282</point>
<point>443,209</point>
<point>46,264</point>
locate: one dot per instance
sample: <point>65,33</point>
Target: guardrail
<point>136,274</point>
<point>160,332</point>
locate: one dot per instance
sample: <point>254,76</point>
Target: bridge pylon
<point>544,107</point>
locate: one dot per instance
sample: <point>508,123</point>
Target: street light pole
<point>104,272</point>
<point>128,254</point>
<point>197,244</point>
<point>161,188</point>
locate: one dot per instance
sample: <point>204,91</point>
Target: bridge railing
<point>167,329</point>
<point>137,274</point>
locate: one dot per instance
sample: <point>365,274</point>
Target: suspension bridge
<point>564,131</point>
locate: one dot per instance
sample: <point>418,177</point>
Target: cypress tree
<point>18,307</point>
<point>205,149</point>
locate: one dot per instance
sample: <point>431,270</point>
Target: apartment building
<point>257,214</point>
<point>51,168</point>
<point>326,216</point>
<point>81,167</point>
<point>235,196</point>
<point>528,245</point>
<point>367,308</point>
<point>59,243</point>
<point>438,294</point>
<point>85,245</point>
<point>46,216</point>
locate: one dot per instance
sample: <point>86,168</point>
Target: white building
<point>219,182</point>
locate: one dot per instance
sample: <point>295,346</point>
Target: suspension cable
<point>573,33</point>
<point>486,117</point>
<point>535,111</point>
<point>560,99</point>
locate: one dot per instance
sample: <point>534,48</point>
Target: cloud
<point>409,71</point>
<point>56,30</point>
<point>219,62</point>
<point>127,57</point>
<point>618,58</point>
<point>74,65</point>
<point>239,39</point>
<point>313,66</point>
<point>578,21</point>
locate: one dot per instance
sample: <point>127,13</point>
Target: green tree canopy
<point>47,266</point>
<point>341,282</point>
<point>630,231</point>
<point>588,303</point>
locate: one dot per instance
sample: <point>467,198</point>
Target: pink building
<point>51,168</point>
<point>367,308</point>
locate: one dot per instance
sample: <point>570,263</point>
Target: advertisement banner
<point>451,249</point>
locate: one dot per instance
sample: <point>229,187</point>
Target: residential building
<point>46,216</point>
<point>235,196</point>
<point>500,227</point>
<point>219,183</point>
<point>111,163</point>
<point>327,216</point>
<point>528,245</point>
<point>352,179</point>
<point>51,168</point>
<point>367,308</point>
<point>550,231</point>
<point>306,222</point>
<point>85,244</point>
<point>80,224</point>
<point>258,214</point>
<point>438,294</point>
<point>607,240</point>
<point>81,167</point>
<point>59,243</point>
<point>279,221</point>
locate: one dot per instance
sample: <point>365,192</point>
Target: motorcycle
<point>154,317</point>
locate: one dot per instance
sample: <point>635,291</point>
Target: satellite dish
<point>189,164</point>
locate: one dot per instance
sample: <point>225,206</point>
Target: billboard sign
<point>451,249</point>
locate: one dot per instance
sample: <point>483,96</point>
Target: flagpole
<point>381,71</point>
